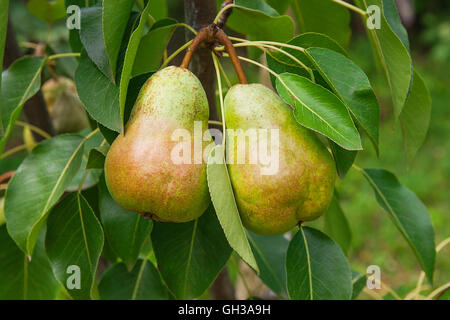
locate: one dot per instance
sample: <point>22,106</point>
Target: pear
<point>64,106</point>
<point>302,186</point>
<point>142,169</point>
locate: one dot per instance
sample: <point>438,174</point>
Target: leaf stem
<point>219,123</point>
<point>173,55</point>
<point>263,47</point>
<point>33,128</point>
<point>281,44</point>
<point>351,7</point>
<point>224,74</point>
<point>219,84</point>
<point>12,151</point>
<point>185,25</point>
<point>64,55</point>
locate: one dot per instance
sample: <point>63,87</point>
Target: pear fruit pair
<point>142,177</point>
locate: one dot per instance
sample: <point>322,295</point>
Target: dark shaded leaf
<point>408,214</point>
<point>142,283</point>
<point>191,254</point>
<point>38,184</point>
<point>23,279</point>
<point>74,238</point>
<point>316,268</point>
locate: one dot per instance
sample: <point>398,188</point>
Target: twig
<point>205,35</point>
<point>7,175</point>
<point>225,10</point>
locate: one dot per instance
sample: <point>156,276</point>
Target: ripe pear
<point>64,106</point>
<point>301,189</point>
<point>140,170</point>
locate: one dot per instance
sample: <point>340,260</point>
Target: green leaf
<point>259,25</point>
<point>4,5</point>
<point>316,268</point>
<point>21,278</point>
<point>92,176</point>
<point>408,214</point>
<point>91,35</point>
<point>132,48</point>
<point>343,158</point>
<point>49,11</point>
<point>222,197</point>
<point>98,94</point>
<point>270,255</point>
<point>392,55</point>
<point>96,157</point>
<point>323,16</point>
<point>74,34</point>
<point>359,282</point>
<point>280,5</point>
<point>337,226</point>
<point>142,283</point>
<point>158,9</point>
<point>20,82</point>
<point>74,238</point>
<point>126,231</point>
<point>151,48</point>
<point>393,18</point>
<point>114,20</point>
<point>352,86</point>
<point>280,63</point>
<point>37,185</point>
<point>191,254</point>
<point>415,117</point>
<point>257,5</point>
<point>318,109</point>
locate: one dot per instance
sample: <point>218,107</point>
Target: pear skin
<point>140,170</point>
<point>303,185</point>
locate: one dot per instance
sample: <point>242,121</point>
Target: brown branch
<point>206,35</point>
<point>224,16</point>
<point>6,176</point>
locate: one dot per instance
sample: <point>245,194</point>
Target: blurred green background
<point>375,239</point>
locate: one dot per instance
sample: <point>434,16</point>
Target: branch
<point>225,13</point>
<point>205,35</point>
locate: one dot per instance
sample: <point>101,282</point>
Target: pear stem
<point>223,38</point>
<point>209,35</point>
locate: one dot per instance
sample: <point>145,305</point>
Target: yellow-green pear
<point>295,183</point>
<point>142,169</point>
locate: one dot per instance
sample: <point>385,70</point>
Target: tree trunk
<point>199,14</point>
<point>34,109</point>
